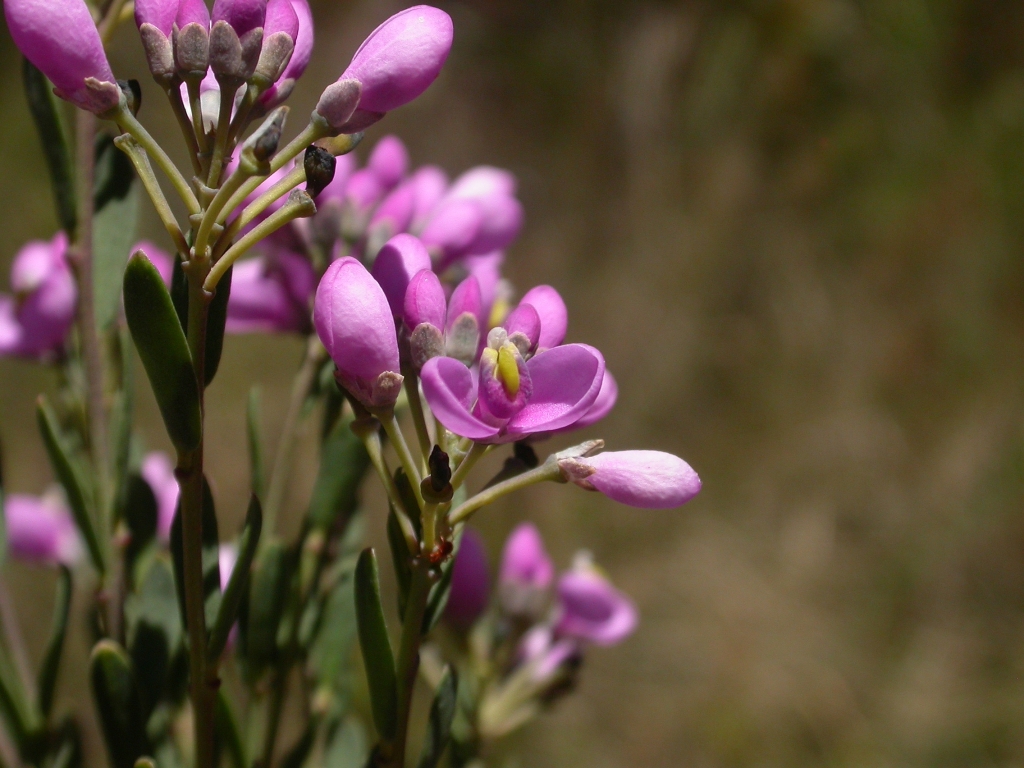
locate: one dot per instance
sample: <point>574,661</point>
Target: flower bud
<point>493,189</point>
<point>389,161</point>
<point>271,294</point>
<point>338,103</point>
<point>645,479</point>
<point>60,38</point>
<point>424,309</point>
<point>280,30</point>
<point>192,39</point>
<point>451,229</point>
<point>392,217</point>
<point>398,261</point>
<point>398,61</point>
<point>354,322</point>
<point>40,529</point>
<point>429,184</point>
<point>462,330</point>
<point>299,60</point>
<point>155,20</point>
<point>158,472</point>
<point>591,609</point>
<point>35,323</point>
<point>471,582</point>
<point>523,327</point>
<point>319,165</point>
<point>236,37</point>
<point>526,573</point>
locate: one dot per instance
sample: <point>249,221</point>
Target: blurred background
<point>794,228</point>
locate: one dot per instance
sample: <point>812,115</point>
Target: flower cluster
<point>36,319</point>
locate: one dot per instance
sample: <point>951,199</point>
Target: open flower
<point>35,321</point>
<point>354,321</point>
<point>590,608</point>
<point>40,529</point>
<point>60,38</point>
<point>646,479</point>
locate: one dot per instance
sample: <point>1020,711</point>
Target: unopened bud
<point>464,338</point>
<point>440,469</point>
<point>337,103</point>
<point>132,91</point>
<point>192,50</point>
<point>233,56</point>
<point>425,343</point>
<point>319,165</point>
<point>267,138</point>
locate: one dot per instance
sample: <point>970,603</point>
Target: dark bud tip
<point>266,145</point>
<point>132,91</point>
<point>525,453</point>
<point>319,165</point>
<point>440,469</point>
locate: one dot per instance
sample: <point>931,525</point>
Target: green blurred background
<point>794,227</point>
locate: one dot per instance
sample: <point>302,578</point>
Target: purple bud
<point>60,38</point>
<point>389,161</point>
<point>401,58</point>
<point>396,264</point>
<point>363,190</point>
<point>487,271</point>
<point>502,215</point>
<point>354,322</point>
<point>243,15</point>
<point>645,479</point>
<point>471,582</point>
<point>429,185</point>
<point>465,299</point>
<point>424,300</point>
<point>193,12</point>
<point>394,214</point>
<point>547,655</point>
<point>271,294</point>
<point>452,228</point>
<point>36,322</point>
<point>525,561</point>
<point>281,17</point>
<point>297,64</point>
<point>159,13</point>
<point>591,609</point>
<point>40,529</point>
<point>158,471</point>
<point>523,327</point>
<point>280,28</point>
<point>554,317</point>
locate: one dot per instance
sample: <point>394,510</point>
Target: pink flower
<point>591,609</point>
<point>471,582</point>
<point>193,12</point>
<point>646,479</point>
<point>397,62</point>
<point>354,321</point>
<point>60,38</point>
<point>282,89</point>
<point>438,327</point>
<point>35,321</point>
<point>396,264</point>
<point>525,563</point>
<point>243,15</point>
<point>270,294</point>
<point>160,13</point>
<point>40,529</point>
<point>158,472</point>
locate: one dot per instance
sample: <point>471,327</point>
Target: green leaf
<point>47,679</point>
<point>179,293</point>
<point>228,733</point>
<point>164,352</point>
<point>71,477</point>
<point>211,557</point>
<point>117,703</point>
<point>330,654</point>
<point>45,109</point>
<point>140,515</point>
<point>439,724</point>
<point>348,746</point>
<point>373,640</point>
<point>121,423</point>
<point>216,320</point>
<point>257,481</point>
<point>343,462</point>
<point>116,201</point>
<point>267,597</point>
<point>438,597</point>
<point>401,558</point>
<point>227,611</point>
<point>154,631</point>
<point>13,705</point>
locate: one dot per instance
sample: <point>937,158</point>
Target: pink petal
<point>389,161</point>
<point>591,609</point>
<point>554,317</point>
<point>424,300</point>
<point>396,264</point>
<point>449,389</point>
<point>566,381</point>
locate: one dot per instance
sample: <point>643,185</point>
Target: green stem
<point>239,177</point>
<point>140,160</point>
<point>198,129</point>
<point>405,456</point>
<point>412,389</point>
<point>202,676</point>
<point>372,442</point>
<point>301,385</point>
<point>126,122</point>
<point>474,455</point>
<point>547,471</point>
<point>228,86</point>
<point>408,661</point>
<point>187,129</point>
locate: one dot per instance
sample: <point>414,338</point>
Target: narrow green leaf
<point>116,200</point>
<point>117,703</point>
<point>70,477</point>
<point>439,724</point>
<point>179,293</point>
<point>227,611</point>
<point>253,432</point>
<point>373,640</point>
<point>68,751</point>
<point>343,462</point>
<point>216,320</point>
<point>401,558</point>
<point>154,631</point>
<point>13,705</point>
<point>47,679</point>
<point>164,351</point>
<point>45,109</point>
<point>211,557</point>
<point>330,654</point>
<point>228,733</point>
<point>267,597</point>
<point>140,515</point>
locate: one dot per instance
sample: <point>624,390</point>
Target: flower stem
<point>303,382</point>
<point>394,432</point>
<point>187,129</point>
<point>371,440</point>
<point>471,458</point>
<point>412,389</point>
<point>140,160</point>
<point>228,86</point>
<point>547,471</point>
<point>126,122</point>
